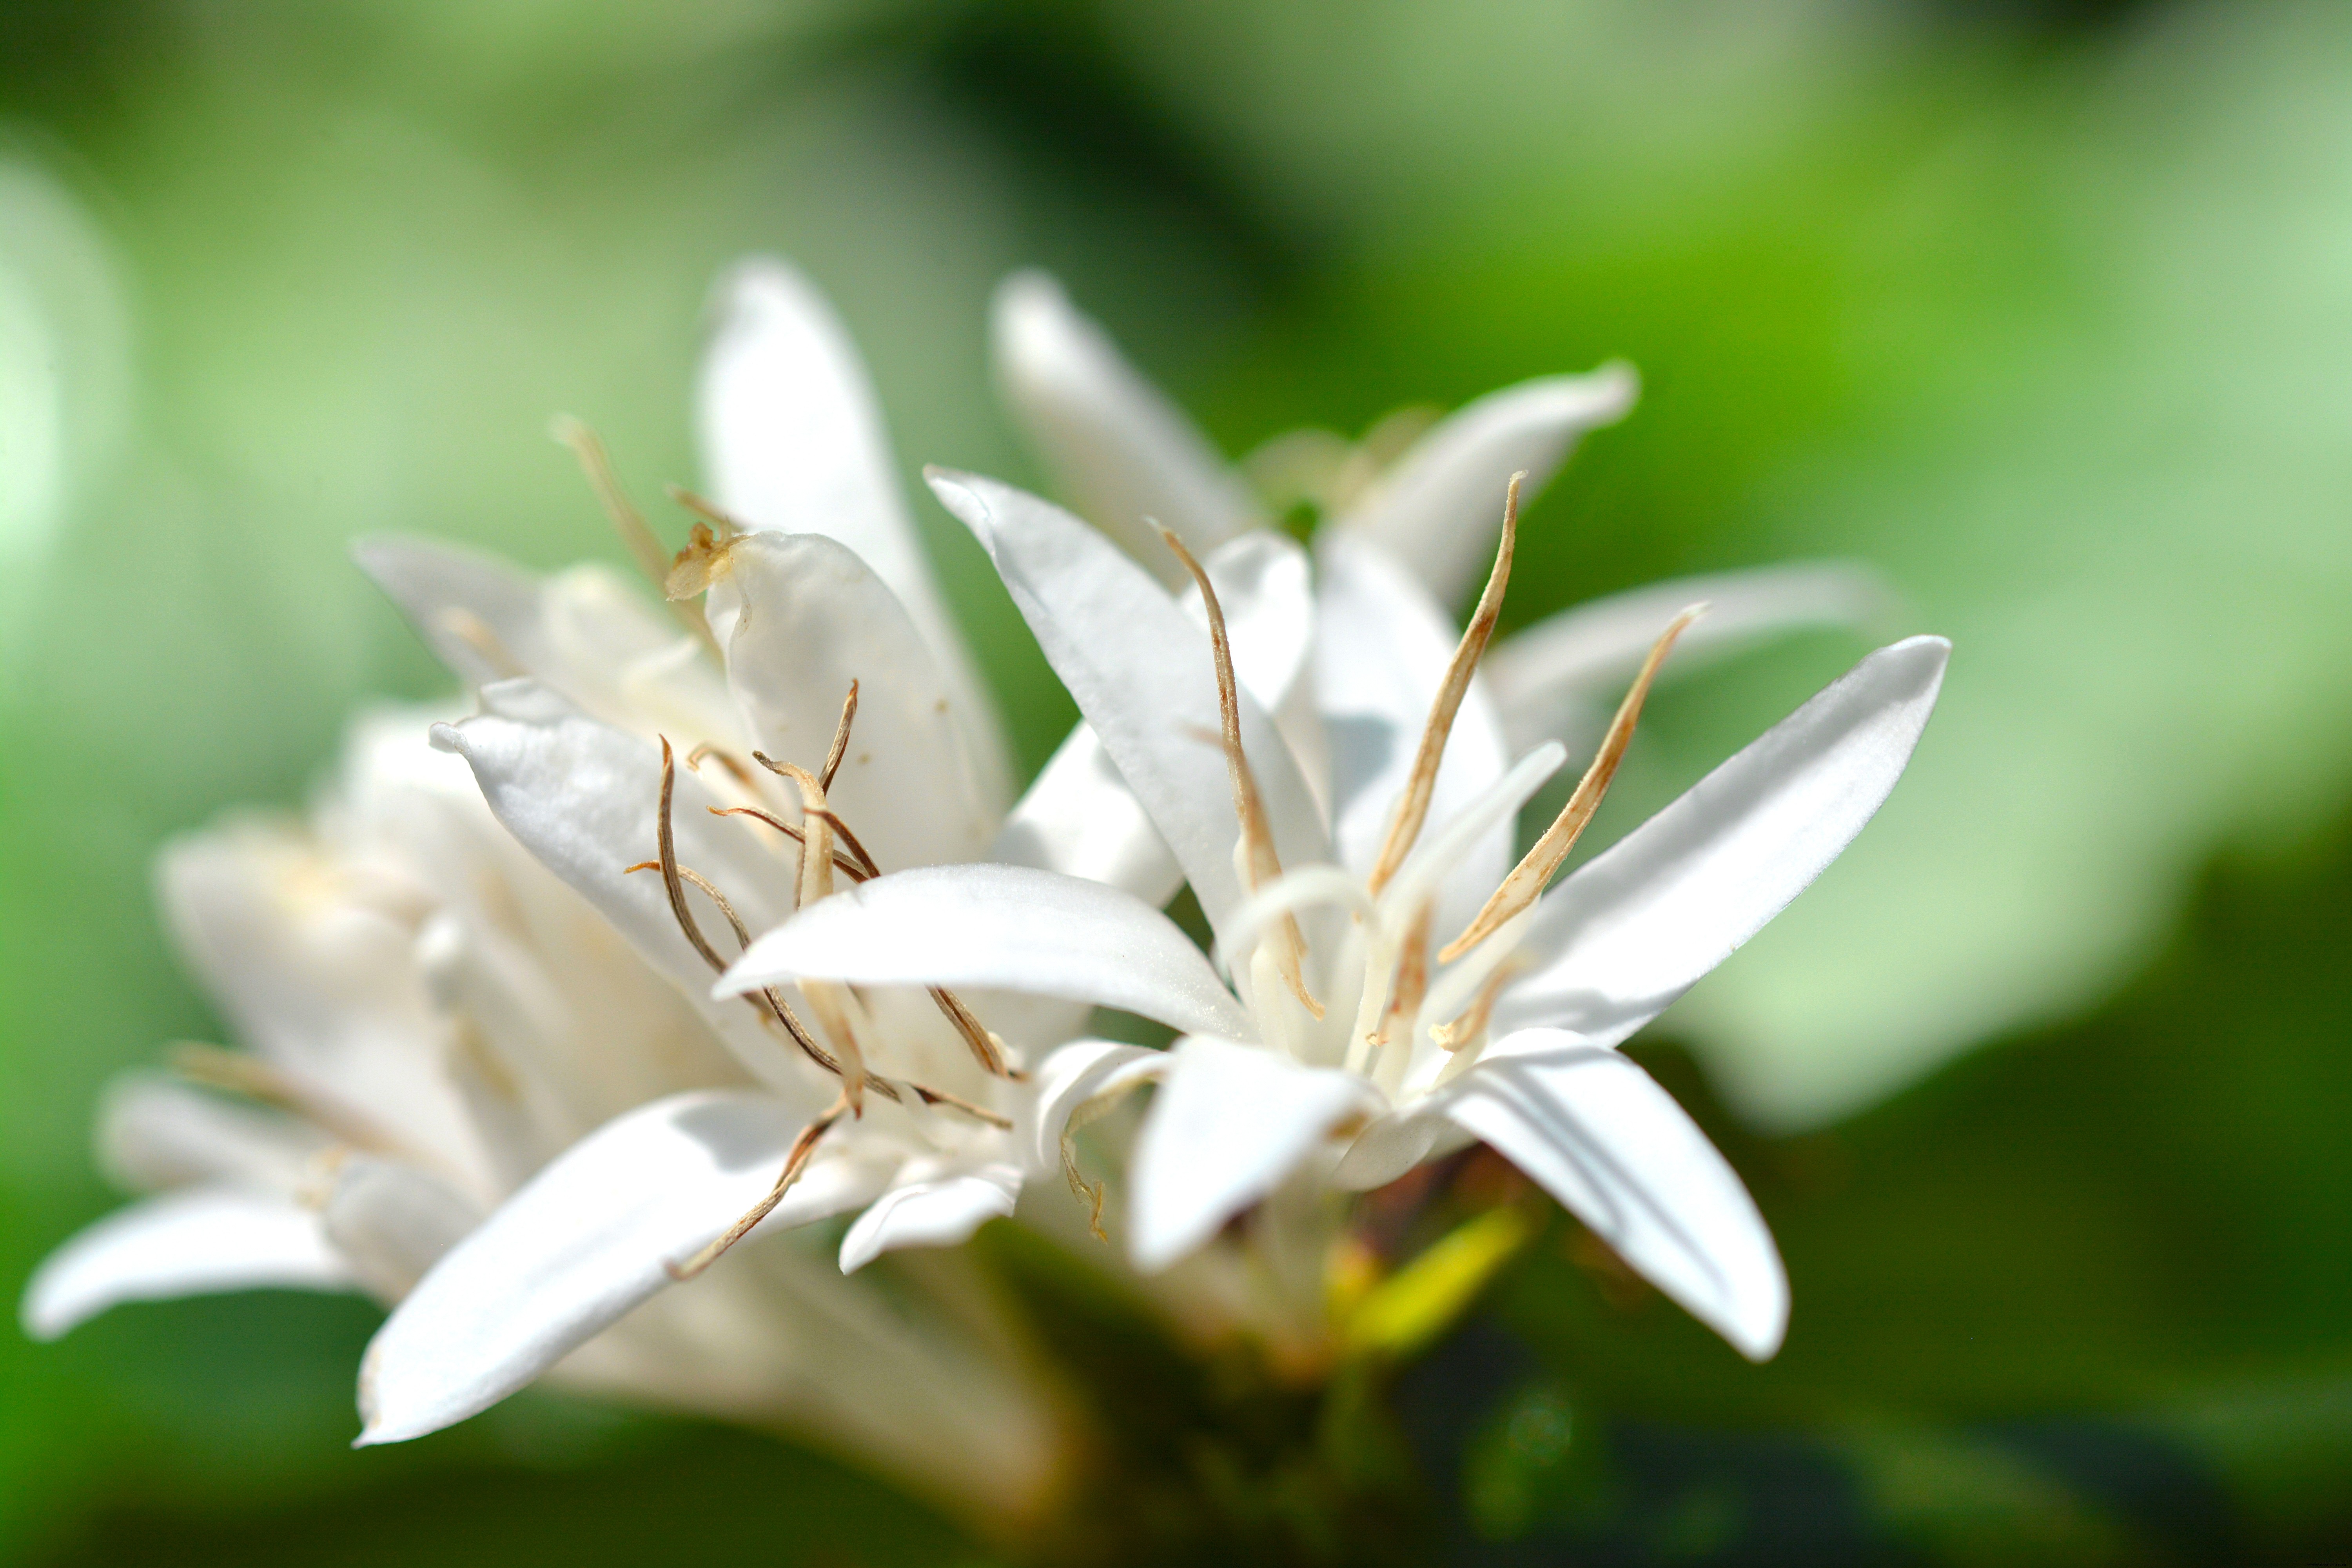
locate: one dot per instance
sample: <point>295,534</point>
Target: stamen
<point>643,547</point>
<point>667,840</point>
<point>1260,864</point>
<point>1471,1026</point>
<point>1411,976</point>
<point>726,523</point>
<point>794,1162</point>
<point>1412,808</point>
<point>956,1102</point>
<point>840,738</point>
<point>816,883</point>
<point>848,839</point>
<point>841,862</point>
<point>1526,883</point>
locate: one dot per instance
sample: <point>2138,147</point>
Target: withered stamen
<point>840,738</point>
<point>1412,808</point>
<point>1467,1028</point>
<point>1526,883</point>
<point>798,1157</point>
<point>974,1033</point>
<point>1263,864</point>
<point>828,1002</point>
<point>727,759</point>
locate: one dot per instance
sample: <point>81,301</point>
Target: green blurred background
<point>2043,307</point>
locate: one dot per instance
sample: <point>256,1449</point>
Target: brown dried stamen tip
<point>1526,883</point>
<point>643,548</point>
<point>848,839</point>
<point>840,747</point>
<point>1411,976</point>
<point>1262,865</point>
<point>795,1160</point>
<point>1412,806</point>
<point>841,862</point>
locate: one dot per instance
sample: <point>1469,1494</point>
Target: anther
<point>841,862</point>
<point>816,883</point>
<point>1412,808</point>
<point>1471,1026</point>
<point>727,759</point>
<point>840,738</point>
<point>1260,864</point>
<point>1526,883</point>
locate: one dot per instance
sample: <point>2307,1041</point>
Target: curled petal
<point>1075,1074</point>
<point>936,1211</point>
<point>1004,926</point>
<point>196,1242</point>
<point>1599,1134</point>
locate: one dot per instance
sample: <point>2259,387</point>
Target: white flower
<point>1360,1035</point>
<point>898,1102</point>
<point>431,1018</point>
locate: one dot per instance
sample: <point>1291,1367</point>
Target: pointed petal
<point>1116,446</point>
<point>588,1239</point>
<point>939,1212</point>
<point>1079,817</point>
<point>196,1242</point>
<point>1381,647</point>
<point>451,596</point>
<point>1006,926</point>
<point>1637,926</point>
<point>805,617</point>
<point>391,1222</point>
<point>1598,1133</point>
<point>1561,675</point>
<point>1230,1121</point>
<point>155,1131</point>
<point>1141,674</point>
<point>584,799</point>
<point>1440,507</point>
<point>793,440</point>
<point>1073,1075</point>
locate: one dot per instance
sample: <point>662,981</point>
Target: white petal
<point>1266,589</point>
<point>1118,449</point>
<point>805,618</point>
<point>584,799</point>
<point>1141,673</point>
<point>197,1242</point>
<point>157,1131</point>
<point>1440,509</point>
<point>1006,926</point>
<point>938,1212</point>
<point>1079,817</point>
<point>315,975</point>
<point>589,1238</point>
<point>1637,926</point>
<point>1073,1075</point>
<point>451,596</point>
<point>1230,1121</point>
<point>793,440</point>
<point>1562,677</point>
<point>1599,1134</point>
<point>391,1222</point>
<point>1381,647</point>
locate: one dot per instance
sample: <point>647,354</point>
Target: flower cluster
<point>713,923</point>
